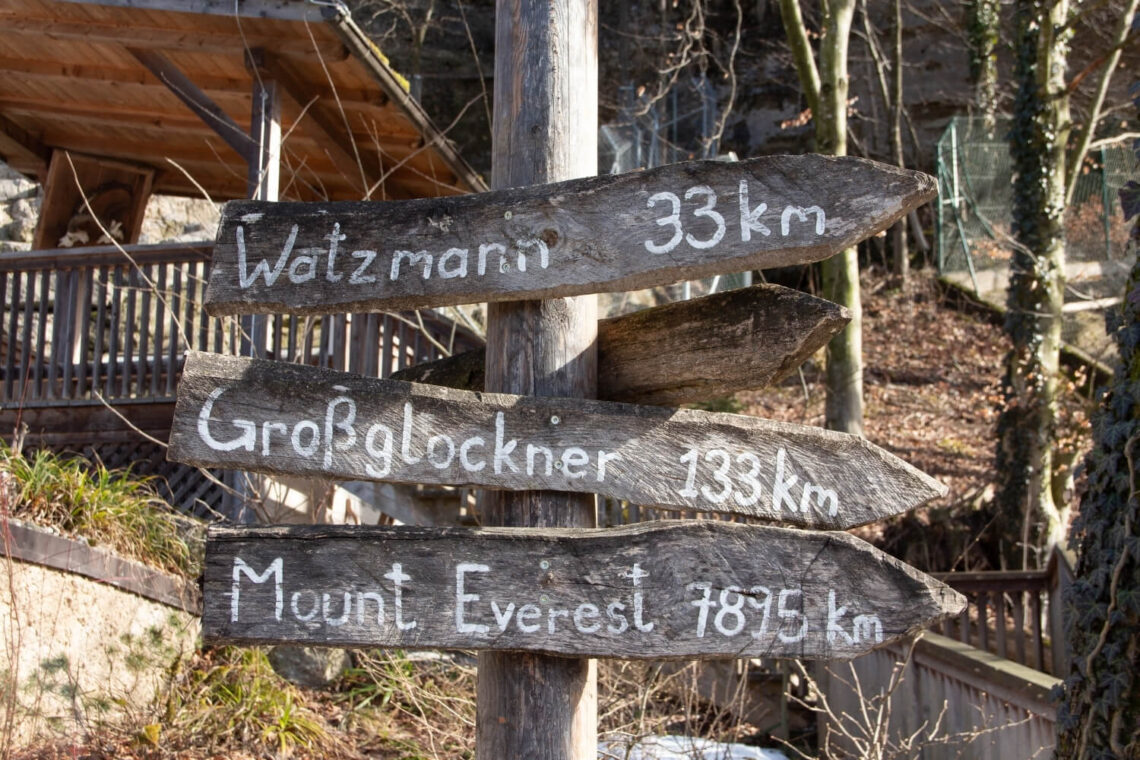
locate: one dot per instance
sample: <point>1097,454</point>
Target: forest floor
<point>932,390</point>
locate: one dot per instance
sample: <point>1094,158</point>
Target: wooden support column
<point>264,179</point>
<point>545,129</point>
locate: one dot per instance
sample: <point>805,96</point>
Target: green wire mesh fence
<point>975,182</point>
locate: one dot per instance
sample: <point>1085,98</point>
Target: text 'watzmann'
<point>692,219</point>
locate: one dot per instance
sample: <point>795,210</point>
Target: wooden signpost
<point>267,416</point>
<point>688,351</point>
<point>538,600</point>
<point>609,233</point>
<point>672,589</point>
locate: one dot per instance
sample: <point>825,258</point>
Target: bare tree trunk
<point>898,232</point>
<point>825,89</point>
<point>1027,426</point>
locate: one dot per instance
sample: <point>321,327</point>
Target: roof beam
<point>21,149</point>
<point>197,101</point>
<point>282,10</point>
<point>169,38</point>
<point>58,72</point>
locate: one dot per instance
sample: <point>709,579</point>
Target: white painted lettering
<point>413,258</point>
<point>502,452</point>
<point>297,275</point>
<point>613,612</point>
<point>636,574</point>
<point>406,437</point>
<point>246,440</point>
<point>525,613</point>
<point>781,488</point>
<point>361,598</point>
<point>532,451</point>
<point>553,614</point>
<point>338,621</point>
<point>484,249</point>
<point>344,424</point>
<point>358,277</point>
<point>801,213</point>
<point>750,217</point>
<point>275,570</point>
<point>310,448</point>
<point>435,440</point>
<point>398,576</point>
<point>245,278</point>
<point>314,608</point>
<point>502,617</point>
<point>574,456</point>
<point>334,239</point>
<point>674,220</point>
<point>266,429</point>
<point>707,212</point>
<point>460,255</point>
<point>384,454</point>
<point>822,496</point>
<point>603,457</point>
<point>465,454</point>
<point>461,598</point>
<point>788,613</point>
<point>583,612</point>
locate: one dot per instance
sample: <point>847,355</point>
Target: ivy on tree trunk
<point>1100,712</point>
<point>982,30</point>
<point>1027,425</point>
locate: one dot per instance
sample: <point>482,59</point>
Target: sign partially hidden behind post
<point>654,590</point>
<point>278,417</point>
<point>591,235</point>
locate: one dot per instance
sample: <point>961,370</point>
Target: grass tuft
<point>104,507</point>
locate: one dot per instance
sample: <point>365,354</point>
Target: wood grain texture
<point>292,419</point>
<point>544,130</point>
<point>700,589</point>
<point>689,351</point>
<point>597,234</point>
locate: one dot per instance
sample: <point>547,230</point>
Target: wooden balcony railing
<point>1014,614</point>
<point>82,322</point>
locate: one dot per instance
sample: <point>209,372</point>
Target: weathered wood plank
<point>285,418</point>
<point>588,235</point>
<point>693,589</point>
<point>689,351</point>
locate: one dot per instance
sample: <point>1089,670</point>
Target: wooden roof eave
<point>367,53</point>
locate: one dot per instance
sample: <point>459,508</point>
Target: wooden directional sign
<point>590,235</point>
<point>688,351</point>
<point>286,418</point>
<point>653,590</point>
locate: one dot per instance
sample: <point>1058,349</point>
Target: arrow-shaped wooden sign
<point>609,233</point>
<point>286,418</point>
<point>688,351</point>
<point>653,590</point>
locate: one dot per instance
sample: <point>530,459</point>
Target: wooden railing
<point>85,322</point>
<point>1014,614</point>
<point>949,700</point>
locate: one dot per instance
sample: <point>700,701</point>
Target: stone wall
<point>75,653</point>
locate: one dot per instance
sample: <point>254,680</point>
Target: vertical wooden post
<point>264,174</point>
<point>545,130</point>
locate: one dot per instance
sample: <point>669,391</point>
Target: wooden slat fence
<point>952,701</point>
<point>86,322</point>
<point>1015,614</point>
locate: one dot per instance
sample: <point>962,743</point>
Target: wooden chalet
<point>106,102</point>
